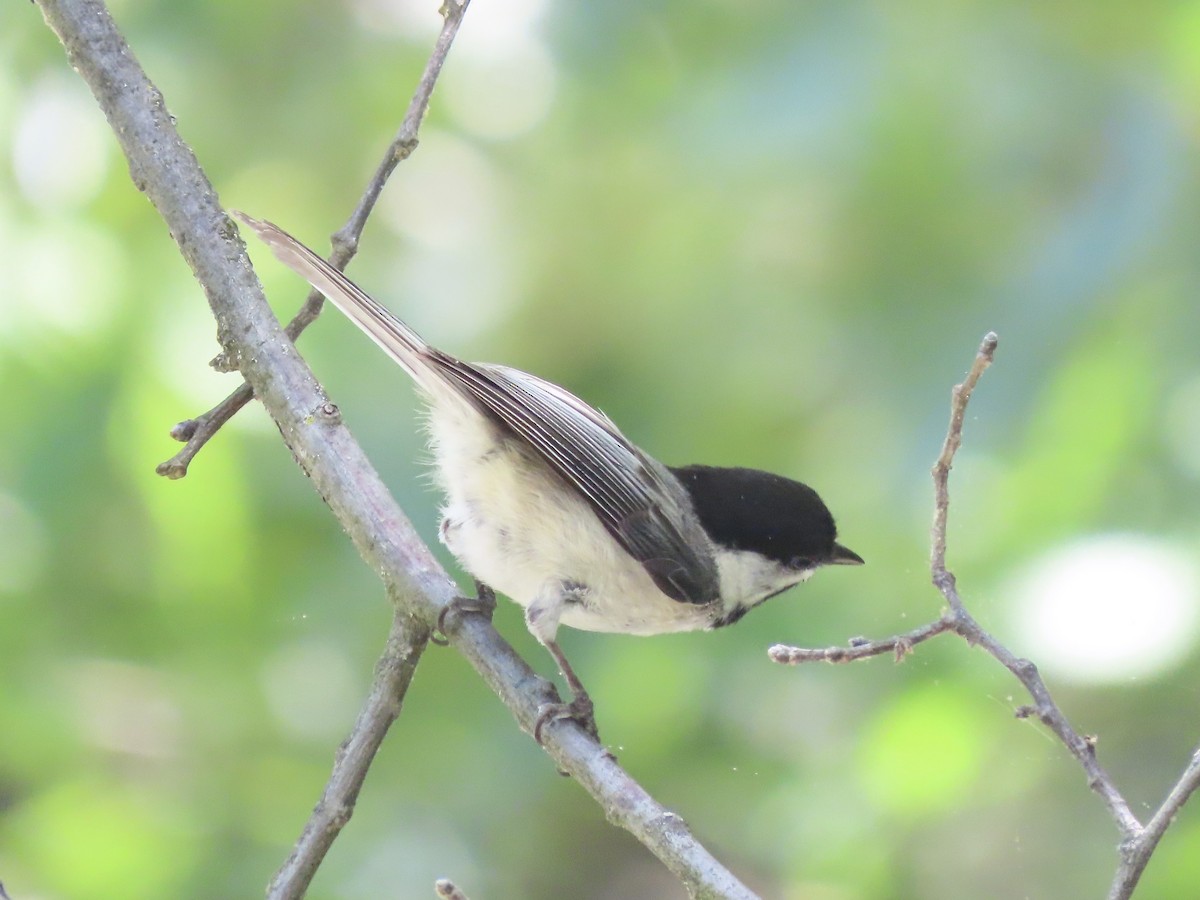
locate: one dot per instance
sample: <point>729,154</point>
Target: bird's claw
<point>484,603</point>
<point>580,709</point>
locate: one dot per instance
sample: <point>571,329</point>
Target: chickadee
<point>548,503</point>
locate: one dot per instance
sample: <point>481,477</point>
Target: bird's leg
<point>580,708</point>
<point>484,603</point>
<point>542,617</point>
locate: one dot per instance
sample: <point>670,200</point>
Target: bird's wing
<point>629,493</point>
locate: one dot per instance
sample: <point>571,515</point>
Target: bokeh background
<point>765,233</point>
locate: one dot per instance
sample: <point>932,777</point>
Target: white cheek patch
<point>748,578</point>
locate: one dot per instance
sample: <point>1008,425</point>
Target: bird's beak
<point>844,556</point>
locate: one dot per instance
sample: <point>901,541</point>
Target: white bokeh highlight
<point>60,145</point>
<point>68,277</point>
<point>458,268</point>
<point>23,546</point>
<point>503,91</point>
<point>500,80</point>
<point>448,196</point>
<point>489,25</point>
<point>1110,608</point>
<point>1181,425</point>
<point>311,689</point>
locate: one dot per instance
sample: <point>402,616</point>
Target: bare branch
<point>959,397</point>
<point>393,674</point>
<point>166,170</point>
<point>1047,711</point>
<point>1137,850</point>
<point>899,646</point>
<point>964,624</point>
<point>1138,842</point>
<point>196,432</point>
<point>344,241</point>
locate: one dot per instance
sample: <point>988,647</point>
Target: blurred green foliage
<point>767,234</point>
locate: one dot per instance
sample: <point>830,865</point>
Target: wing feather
<point>628,492</point>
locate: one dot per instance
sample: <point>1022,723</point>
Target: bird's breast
<point>517,526</point>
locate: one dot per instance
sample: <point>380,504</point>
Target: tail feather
<point>383,327</point>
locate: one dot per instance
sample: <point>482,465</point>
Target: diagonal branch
<point>167,171</point>
<point>393,674</point>
<point>197,432</point>
<point>1137,849</point>
<point>1046,710</point>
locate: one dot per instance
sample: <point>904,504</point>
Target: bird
<point>548,503</point>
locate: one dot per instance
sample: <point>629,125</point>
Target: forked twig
<point>1137,847</point>
<point>1138,841</point>
<point>198,431</point>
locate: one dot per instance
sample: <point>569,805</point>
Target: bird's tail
<point>399,341</point>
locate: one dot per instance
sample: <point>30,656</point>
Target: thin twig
<point>1137,849</point>
<point>965,625</point>
<point>959,397</point>
<point>899,646</point>
<point>1048,712</point>
<point>165,168</point>
<point>393,674</point>
<point>1138,842</point>
<point>344,246</point>
<point>196,432</point>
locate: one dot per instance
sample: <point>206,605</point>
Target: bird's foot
<point>580,709</point>
<point>483,603</point>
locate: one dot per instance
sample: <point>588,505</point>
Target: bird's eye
<point>800,562</point>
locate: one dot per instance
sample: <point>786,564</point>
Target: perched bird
<point>550,504</point>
